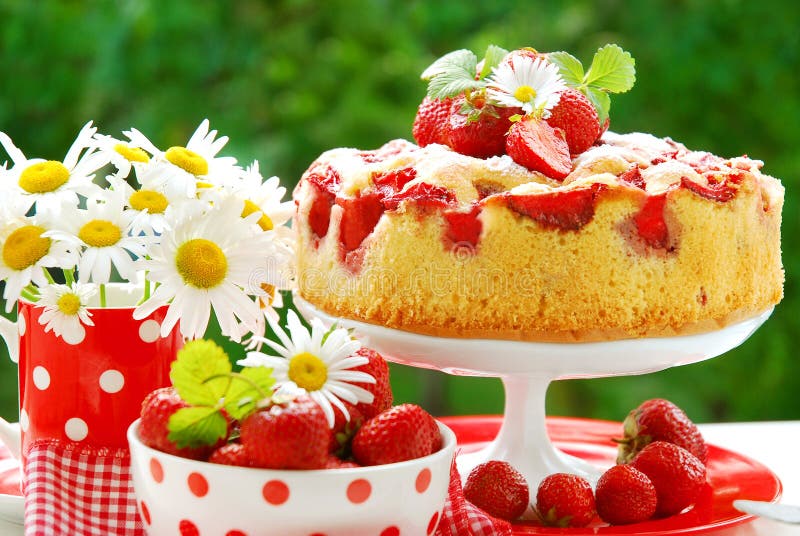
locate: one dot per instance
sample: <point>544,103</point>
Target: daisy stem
<point>29,296</point>
<point>102,295</point>
<point>146,288</point>
<point>48,276</point>
<point>69,277</point>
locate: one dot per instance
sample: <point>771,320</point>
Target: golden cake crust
<point>646,239</point>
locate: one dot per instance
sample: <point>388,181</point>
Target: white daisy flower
<point>50,184</point>
<point>65,310</point>
<point>319,361</point>
<point>151,204</point>
<point>261,196</point>
<point>533,85</point>
<point>208,262</point>
<point>26,250</point>
<point>198,160</point>
<point>121,154</point>
<point>102,234</point>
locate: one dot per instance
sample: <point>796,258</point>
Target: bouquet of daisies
<point>193,229</point>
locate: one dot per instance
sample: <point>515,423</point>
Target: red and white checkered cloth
<point>73,490</point>
<point>461,518</point>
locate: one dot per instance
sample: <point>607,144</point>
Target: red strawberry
<point>625,495</point>
<point>659,420</point>
<point>343,431</point>
<point>677,475</point>
<point>565,500</point>
<point>526,52</point>
<point>335,462</point>
<point>498,489</point>
<point>231,454</point>
<point>157,408</point>
<point>431,121</point>
<point>294,435</point>
<point>482,137</point>
<point>381,389</point>
<point>577,117</point>
<point>536,145</point>
<point>398,434</point>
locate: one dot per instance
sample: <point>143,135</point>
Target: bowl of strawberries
<point>230,453</point>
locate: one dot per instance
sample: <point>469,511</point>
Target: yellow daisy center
<point>132,154</point>
<point>264,222</point>
<point>43,177</point>
<point>308,371</point>
<point>24,247</point>
<point>69,304</point>
<point>525,93</point>
<point>150,200</point>
<point>100,234</point>
<point>187,160</point>
<point>201,263</point>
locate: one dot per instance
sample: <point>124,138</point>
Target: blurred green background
<point>287,80</point>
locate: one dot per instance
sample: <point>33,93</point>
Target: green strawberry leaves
<point>203,377</point>
<point>454,73</point>
<point>613,70</point>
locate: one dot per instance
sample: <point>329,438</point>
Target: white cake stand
<point>527,368</point>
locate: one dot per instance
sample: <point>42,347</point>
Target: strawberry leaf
<point>494,55</point>
<point>452,74</point>
<point>196,426</point>
<point>601,102</point>
<point>199,374</point>
<point>458,60</point>
<point>569,67</point>
<point>247,388</point>
<point>612,69</point>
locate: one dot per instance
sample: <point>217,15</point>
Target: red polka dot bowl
<point>178,496</point>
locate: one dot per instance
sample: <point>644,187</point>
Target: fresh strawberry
<point>525,52</point>
<point>565,500</point>
<point>398,434</point>
<point>625,495</point>
<point>536,145</point>
<point>335,462</point>
<point>157,408</point>
<point>431,121</point>
<point>478,129</point>
<point>231,454</point>
<point>343,431</point>
<point>576,116</point>
<point>498,489</point>
<point>677,475</point>
<point>294,435</point>
<point>381,389</point>
<point>659,420</point>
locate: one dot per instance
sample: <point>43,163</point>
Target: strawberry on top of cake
<point>518,215</point>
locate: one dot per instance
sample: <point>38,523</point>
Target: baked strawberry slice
<point>157,408</point>
<point>398,434</point>
<point>659,420</point>
<point>577,117</point>
<point>565,500</point>
<point>294,435</point>
<point>533,143</point>
<point>478,129</point>
<point>498,489</point>
<point>430,124</point>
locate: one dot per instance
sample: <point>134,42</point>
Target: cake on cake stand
<point>526,370</point>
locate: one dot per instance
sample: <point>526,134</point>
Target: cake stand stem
<point>523,440</point>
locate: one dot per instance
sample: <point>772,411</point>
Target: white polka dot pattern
<point>149,330</point>
<point>41,378</point>
<point>76,429</point>
<point>112,381</point>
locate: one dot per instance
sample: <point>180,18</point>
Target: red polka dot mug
<point>89,389</point>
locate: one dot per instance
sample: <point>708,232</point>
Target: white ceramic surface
<point>218,499</point>
<point>527,368</point>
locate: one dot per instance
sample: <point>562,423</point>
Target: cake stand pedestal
<point>527,368</point>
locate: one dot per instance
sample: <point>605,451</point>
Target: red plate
<point>731,476</point>
<point>9,473</point>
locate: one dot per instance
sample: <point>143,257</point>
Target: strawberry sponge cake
<point>518,215</point>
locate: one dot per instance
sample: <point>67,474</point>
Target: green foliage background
<point>289,79</point>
